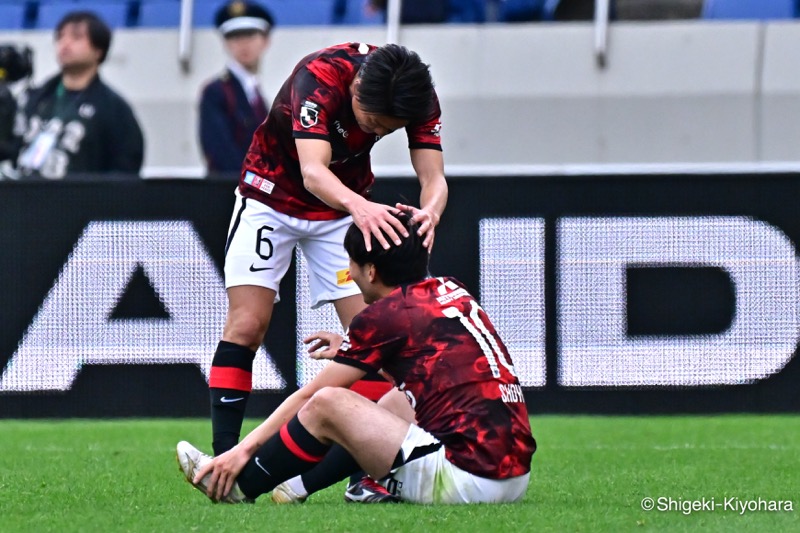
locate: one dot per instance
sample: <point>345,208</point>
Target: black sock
<point>355,478</point>
<point>290,452</point>
<point>337,465</point>
<point>229,388</point>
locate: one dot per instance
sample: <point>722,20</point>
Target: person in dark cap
<point>231,105</point>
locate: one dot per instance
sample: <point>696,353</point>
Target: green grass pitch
<point>590,474</point>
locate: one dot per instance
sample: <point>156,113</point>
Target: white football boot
<point>191,460</point>
<point>283,493</point>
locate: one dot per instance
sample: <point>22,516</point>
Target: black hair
<point>395,82</point>
<point>400,264</point>
<point>99,32</point>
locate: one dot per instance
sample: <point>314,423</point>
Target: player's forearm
<point>269,427</point>
<point>429,167</point>
<point>433,196</point>
<point>324,184</point>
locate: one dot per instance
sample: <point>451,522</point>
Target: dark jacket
<point>227,123</point>
<point>93,130</point>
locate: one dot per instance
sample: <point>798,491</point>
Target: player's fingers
<point>327,353</point>
<point>202,473</point>
<point>228,486</point>
<point>427,242</point>
<point>391,233</point>
<point>404,207</point>
<point>318,346</point>
<point>320,335</point>
<point>398,226</point>
<point>224,486</point>
<point>212,484</point>
<point>425,225</point>
<point>381,238</point>
<point>391,209</point>
<point>220,487</point>
<point>367,234</point>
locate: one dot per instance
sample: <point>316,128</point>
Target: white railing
<point>185,36</point>
<point>393,21</point>
<point>602,10</point>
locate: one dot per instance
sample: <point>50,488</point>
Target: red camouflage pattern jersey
<point>315,103</point>
<point>437,343</point>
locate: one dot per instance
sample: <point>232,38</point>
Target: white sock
<point>296,484</point>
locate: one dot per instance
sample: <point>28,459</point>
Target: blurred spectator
<point>75,123</point>
<point>418,11</point>
<point>231,105</point>
<point>520,10</point>
<point>576,10</point>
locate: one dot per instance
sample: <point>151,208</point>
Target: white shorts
<point>261,243</point>
<point>431,478</point>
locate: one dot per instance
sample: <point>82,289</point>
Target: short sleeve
<point>373,338</point>
<point>312,104</point>
<point>427,134</point>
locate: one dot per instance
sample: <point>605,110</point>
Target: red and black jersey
<point>315,103</point>
<point>437,343</point>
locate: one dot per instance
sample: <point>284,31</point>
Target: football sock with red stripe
<point>230,383</point>
<point>291,452</point>
<point>337,465</point>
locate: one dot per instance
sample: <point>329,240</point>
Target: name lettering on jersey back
<point>511,393</point>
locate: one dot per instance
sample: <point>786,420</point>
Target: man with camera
<point>75,123</point>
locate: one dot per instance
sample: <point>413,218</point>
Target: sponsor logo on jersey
<point>309,114</point>
<point>455,295</point>
<point>254,180</point>
<point>343,132</point>
<point>437,129</point>
<point>343,277</point>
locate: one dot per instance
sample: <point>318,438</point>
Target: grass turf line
<point>590,474</point>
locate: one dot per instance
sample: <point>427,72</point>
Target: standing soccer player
<point>465,437</point>
<point>305,178</point>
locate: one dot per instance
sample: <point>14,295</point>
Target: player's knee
<point>245,329</point>
<point>323,404</point>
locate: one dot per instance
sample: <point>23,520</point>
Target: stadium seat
<point>466,11</point>
<point>305,13</point>
<point>166,13</point>
<point>205,11</point>
<point>749,9</point>
<point>159,13</point>
<point>12,16</point>
<point>520,10</point>
<point>114,13</point>
<point>356,13</point>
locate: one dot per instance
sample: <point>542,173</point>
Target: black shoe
<point>368,491</point>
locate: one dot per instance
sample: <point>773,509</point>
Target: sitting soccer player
<point>466,438</point>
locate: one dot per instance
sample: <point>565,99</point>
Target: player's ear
<point>372,273</point>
